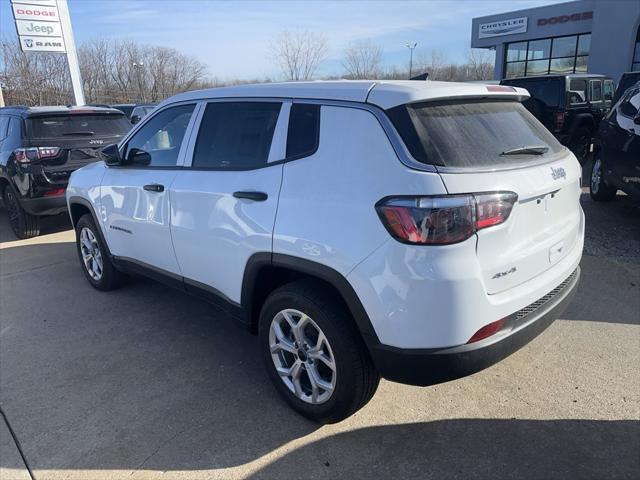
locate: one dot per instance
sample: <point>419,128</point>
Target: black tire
<point>356,378</point>
<point>579,143</point>
<point>110,277</point>
<point>598,188</point>
<point>23,224</point>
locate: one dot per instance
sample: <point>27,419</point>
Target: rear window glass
<point>78,125</point>
<point>471,133</point>
<point>546,90</point>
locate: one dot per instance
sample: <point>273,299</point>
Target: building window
<point>635,66</point>
<point>550,55</point>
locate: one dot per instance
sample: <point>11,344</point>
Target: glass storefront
<point>550,55</point>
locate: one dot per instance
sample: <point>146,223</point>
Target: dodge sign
<point>502,27</point>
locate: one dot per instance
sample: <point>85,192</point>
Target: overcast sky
<point>232,37</point>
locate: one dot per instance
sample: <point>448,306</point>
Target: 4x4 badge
<point>558,173</point>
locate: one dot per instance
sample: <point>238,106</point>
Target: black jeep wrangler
<point>39,148</point>
<point>570,106</point>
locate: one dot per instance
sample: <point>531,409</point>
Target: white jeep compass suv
<point>416,231</point>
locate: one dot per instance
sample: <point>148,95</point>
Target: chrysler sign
<point>502,27</point>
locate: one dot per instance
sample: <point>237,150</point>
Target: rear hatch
<point>78,135</point>
<point>477,146</point>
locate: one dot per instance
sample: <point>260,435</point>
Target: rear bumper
<point>44,205</point>
<point>432,366</point>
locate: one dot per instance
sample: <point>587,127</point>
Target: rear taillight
<point>446,219</point>
<point>558,118</point>
<point>27,155</point>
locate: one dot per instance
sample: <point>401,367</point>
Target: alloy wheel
<point>91,255</point>
<point>596,175</point>
<point>302,356</point>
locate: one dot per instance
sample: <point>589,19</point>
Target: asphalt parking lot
<point>147,382</point>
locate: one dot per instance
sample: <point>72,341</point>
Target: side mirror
<point>111,155</point>
<point>137,156</point>
<point>135,119</point>
<point>636,119</point>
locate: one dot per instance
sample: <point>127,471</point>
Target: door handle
<point>154,187</point>
<point>255,196</point>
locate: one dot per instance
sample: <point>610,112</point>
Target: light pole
<point>139,66</point>
<point>411,47</point>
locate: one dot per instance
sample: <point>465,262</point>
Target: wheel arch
<point>78,207</point>
<point>265,272</point>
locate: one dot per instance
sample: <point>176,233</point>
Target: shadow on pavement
<point>472,449</point>
<point>140,377</point>
<point>52,224</point>
<point>608,292</point>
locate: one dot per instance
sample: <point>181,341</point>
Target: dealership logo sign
<point>42,44</point>
<point>502,27</point>
<point>574,17</point>
<point>38,29</point>
<point>38,25</point>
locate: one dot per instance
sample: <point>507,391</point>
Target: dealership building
<point>587,36</point>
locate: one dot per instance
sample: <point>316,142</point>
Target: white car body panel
<point>137,221</point>
<point>544,224</point>
<point>321,208</point>
<point>325,213</point>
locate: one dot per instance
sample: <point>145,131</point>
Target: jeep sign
<point>37,29</point>
<point>42,44</point>
<point>502,27</point>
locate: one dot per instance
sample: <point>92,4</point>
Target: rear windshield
<point>546,90</point>
<point>78,125</point>
<point>471,133</point>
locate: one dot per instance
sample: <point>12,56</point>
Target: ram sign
<point>502,27</point>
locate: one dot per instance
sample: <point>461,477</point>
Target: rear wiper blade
<point>529,150</point>
<point>79,133</point>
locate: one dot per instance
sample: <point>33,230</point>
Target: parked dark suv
<point>570,106</point>
<point>616,158</point>
<point>39,148</point>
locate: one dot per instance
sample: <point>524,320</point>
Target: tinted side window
<point>14,132</point>
<point>304,130</point>
<point>596,90</point>
<point>158,142</point>
<point>4,123</point>
<point>236,135</point>
<point>577,91</point>
<point>608,90</point>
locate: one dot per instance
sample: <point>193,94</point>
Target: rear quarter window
<point>471,133</point>
<point>303,134</point>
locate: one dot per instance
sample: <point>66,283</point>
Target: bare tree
<point>434,63</point>
<point>480,64</point>
<point>362,60</point>
<point>112,72</point>
<point>299,53</point>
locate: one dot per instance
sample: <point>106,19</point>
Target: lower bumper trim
<point>424,367</point>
